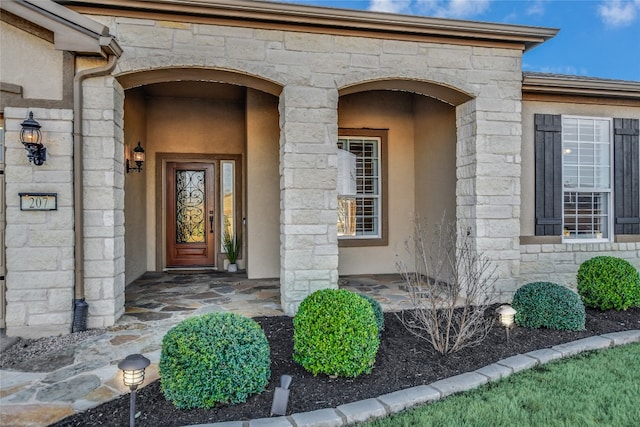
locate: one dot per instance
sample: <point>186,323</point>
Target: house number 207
<point>38,201</point>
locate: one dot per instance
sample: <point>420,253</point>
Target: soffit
<point>72,31</point>
<point>293,17</point>
<point>563,85</point>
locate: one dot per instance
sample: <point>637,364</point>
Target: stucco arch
<point>450,95</point>
<point>139,78</point>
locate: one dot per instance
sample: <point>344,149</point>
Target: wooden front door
<point>190,214</point>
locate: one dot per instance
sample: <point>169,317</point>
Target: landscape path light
<point>133,367</point>
<point>506,315</point>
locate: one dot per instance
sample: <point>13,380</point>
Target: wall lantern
<point>138,158</point>
<point>133,375</point>
<point>506,315</point>
<point>31,137</point>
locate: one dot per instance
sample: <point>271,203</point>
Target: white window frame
<point>572,234</point>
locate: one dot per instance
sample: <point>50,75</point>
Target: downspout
<point>80,307</point>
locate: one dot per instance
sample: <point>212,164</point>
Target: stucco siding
<point>136,220</point>
<point>263,185</point>
<point>44,81</point>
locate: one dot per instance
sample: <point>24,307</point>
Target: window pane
<point>586,169</point>
<point>586,215</point>
<point>228,198</point>
<point>190,206</point>
<point>587,159</point>
<point>346,216</point>
<point>360,216</point>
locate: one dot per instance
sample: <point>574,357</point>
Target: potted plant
<point>232,248</point>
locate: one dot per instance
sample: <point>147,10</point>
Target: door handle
<point>210,221</point>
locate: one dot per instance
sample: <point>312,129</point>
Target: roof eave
<point>71,31</point>
<point>288,13</point>
<point>579,86</point>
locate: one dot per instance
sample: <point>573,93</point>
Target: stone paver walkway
<point>70,380</point>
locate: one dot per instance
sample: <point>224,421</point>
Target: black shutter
<point>548,153</point>
<point>626,176</point>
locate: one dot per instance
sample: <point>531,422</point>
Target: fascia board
<point>581,86</point>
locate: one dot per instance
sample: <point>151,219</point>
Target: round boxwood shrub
<point>377,311</point>
<point>548,305</point>
<point>335,333</point>
<point>607,282</point>
<point>214,358</point>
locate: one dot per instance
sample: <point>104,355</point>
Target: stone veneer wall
<point>312,68</point>
<point>103,153</point>
<point>559,263</point>
<point>39,244</point>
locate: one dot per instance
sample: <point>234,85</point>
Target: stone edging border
<point>392,403</point>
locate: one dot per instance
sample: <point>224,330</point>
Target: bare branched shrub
<point>449,286</point>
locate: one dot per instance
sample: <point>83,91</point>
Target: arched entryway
<point>404,135</point>
<point>211,142</point>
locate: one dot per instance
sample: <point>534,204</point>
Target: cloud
<point>390,6</point>
<point>619,13</point>
<point>537,8</point>
<point>440,8</point>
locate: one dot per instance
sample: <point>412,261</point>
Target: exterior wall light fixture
<point>31,138</point>
<point>138,158</point>
<point>133,375</point>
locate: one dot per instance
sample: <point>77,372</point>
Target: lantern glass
<point>138,157</point>
<point>506,315</point>
<point>30,136</point>
<point>133,377</point>
<point>133,370</point>
<point>138,154</point>
<point>30,133</point>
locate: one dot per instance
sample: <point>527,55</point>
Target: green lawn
<point>593,389</point>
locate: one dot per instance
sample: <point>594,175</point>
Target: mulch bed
<point>403,361</point>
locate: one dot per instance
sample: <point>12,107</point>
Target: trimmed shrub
<point>215,358</point>
<point>335,333</point>
<point>607,282</point>
<point>548,305</point>
<point>377,311</point>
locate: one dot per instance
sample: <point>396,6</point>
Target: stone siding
<point>559,263</point>
<point>103,154</point>
<point>312,69</point>
<point>39,244</point>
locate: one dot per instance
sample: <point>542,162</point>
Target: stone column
<point>308,197</point>
<point>103,177</point>
<point>488,172</point>
<point>39,244</point>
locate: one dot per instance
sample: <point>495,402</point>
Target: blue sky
<point>597,38</point>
